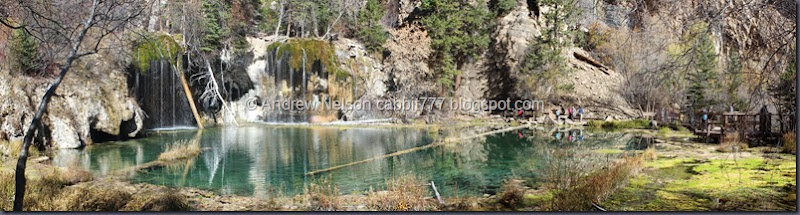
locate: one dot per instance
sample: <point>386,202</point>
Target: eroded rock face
<point>92,97</point>
<point>510,42</point>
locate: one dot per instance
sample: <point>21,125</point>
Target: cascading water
<point>160,94</point>
<point>293,83</point>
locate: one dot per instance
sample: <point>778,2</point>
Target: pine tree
<point>544,61</point>
<point>370,30</point>
<point>459,32</point>
<point>213,32</point>
<point>703,79</point>
<point>24,52</point>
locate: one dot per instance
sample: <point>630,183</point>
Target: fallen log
<point>591,61</point>
<point>438,197</point>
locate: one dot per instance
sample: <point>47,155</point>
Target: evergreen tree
<point>459,32</point>
<point>784,91</point>
<point>370,30</point>
<point>502,7</point>
<point>544,61</point>
<point>24,52</point>
<point>213,32</point>
<point>703,79</point>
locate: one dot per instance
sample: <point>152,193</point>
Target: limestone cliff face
<point>92,101</point>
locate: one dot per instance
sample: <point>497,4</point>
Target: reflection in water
<point>259,160</point>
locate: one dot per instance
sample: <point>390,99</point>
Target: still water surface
<point>263,160</point>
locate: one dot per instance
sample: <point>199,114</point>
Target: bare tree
<point>62,26</point>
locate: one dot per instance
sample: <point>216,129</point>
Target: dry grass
<point>649,154</point>
<point>513,194</point>
<point>164,199</point>
<point>94,197</point>
<point>322,195</point>
<point>789,143</point>
<point>10,148</point>
<point>407,193</point>
<point>180,150</point>
<point>49,189</point>
<point>731,143</point>
<point>594,187</point>
<point>40,191</point>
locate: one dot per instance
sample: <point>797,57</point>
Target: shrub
<point>789,143</point>
<point>513,194</point>
<point>594,187</point>
<point>323,195</point>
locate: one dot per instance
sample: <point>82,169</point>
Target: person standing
<point>705,118</point>
<point>580,113</point>
<point>571,111</point>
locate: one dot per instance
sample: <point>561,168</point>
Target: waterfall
<point>290,83</point>
<point>161,96</point>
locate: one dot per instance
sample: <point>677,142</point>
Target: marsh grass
<point>183,149</point>
<point>579,192</point>
<point>789,143</point>
<point>406,193</point>
<point>322,195</point>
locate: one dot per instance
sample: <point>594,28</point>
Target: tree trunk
<point>19,193</point>
<point>280,19</point>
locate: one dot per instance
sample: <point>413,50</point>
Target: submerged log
<point>402,152</point>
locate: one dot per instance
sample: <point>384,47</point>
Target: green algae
<point>156,47</point>
<point>685,184</point>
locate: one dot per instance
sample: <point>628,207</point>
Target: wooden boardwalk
<point>746,124</point>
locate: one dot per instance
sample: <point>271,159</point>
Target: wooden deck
<point>747,124</point>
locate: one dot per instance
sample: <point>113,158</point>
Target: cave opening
<point>533,6</point>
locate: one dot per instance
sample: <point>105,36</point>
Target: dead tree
<point>64,29</point>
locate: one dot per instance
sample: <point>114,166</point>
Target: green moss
<point>665,163</point>
<point>681,184</point>
<point>537,199</point>
<point>156,47</point>
<point>314,50</point>
<point>608,151</point>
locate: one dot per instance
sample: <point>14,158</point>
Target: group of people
<point>571,136</point>
<point>571,113</point>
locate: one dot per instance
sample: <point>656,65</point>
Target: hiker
<point>580,113</point>
<point>558,115</point>
<point>705,118</point>
<point>520,114</point>
<point>571,112</point>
